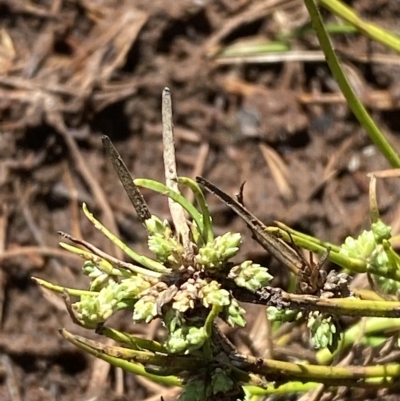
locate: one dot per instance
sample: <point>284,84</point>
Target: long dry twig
<point>171,175</point>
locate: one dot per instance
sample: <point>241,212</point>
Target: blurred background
<point>253,102</point>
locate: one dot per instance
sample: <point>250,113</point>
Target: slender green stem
<point>259,47</point>
<point>59,289</point>
<point>350,306</point>
<point>84,254</point>
<point>102,264</point>
<point>306,372</point>
<point>355,105</point>
<point>201,201</point>
<point>213,314</point>
<point>131,341</point>
<point>291,387</point>
<point>371,30</point>
<point>274,297</point>
<point>354,265</point>
<point>394,258</point>
<point>129,366</point>
<point>351,264</point>
<point>372,295</point>
<point>126,268</point>
<point>309,238</point>
<point>143,260</point>
<point>374,341</point>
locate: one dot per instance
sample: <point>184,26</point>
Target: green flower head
<point>145,310</point>
<point>250,275</point>
<point>360,248</point>
<point>213,294</point>
<point>216,253</point>
<point>233,314</point>
<point>92,310</point>
<point>324,331</point>
<point>186,339</point>
<point>381,231</point>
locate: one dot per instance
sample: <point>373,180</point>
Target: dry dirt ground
<point>74,70</point>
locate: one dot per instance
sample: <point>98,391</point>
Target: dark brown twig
<point>278,249</point>
<point>126,179</point>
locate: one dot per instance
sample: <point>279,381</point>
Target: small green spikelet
<point>216,253</point>
<point>185,339</point>
<point>381,231</point>
<point>162,243</point>
<point>155,225</point>
<point>233,314</point>
<point>102,274</point>
<point>324,331</point>
<point>145,310</point>
<point>373,247</point>
<point>132,287</point>
<point>282,315</point>
<point>91,310</point>
<point>360,248</point>
<point>250,275</point>
<point>212,294</point>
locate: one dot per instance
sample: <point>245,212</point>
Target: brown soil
<point>71,71</point>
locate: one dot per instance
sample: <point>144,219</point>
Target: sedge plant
<point>193,284</point>
<point>192,288</point>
